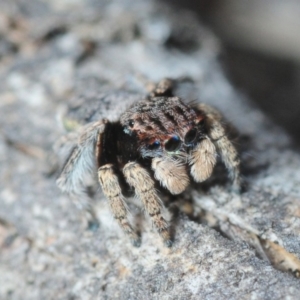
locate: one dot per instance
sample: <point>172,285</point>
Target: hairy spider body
<point>160,138</point>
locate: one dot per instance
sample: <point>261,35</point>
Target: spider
<point>158,139</point>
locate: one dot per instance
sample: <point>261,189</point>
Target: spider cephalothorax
<point>163,125</point>
<point>159,138</point>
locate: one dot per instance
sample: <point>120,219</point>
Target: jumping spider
<point>159,138</point>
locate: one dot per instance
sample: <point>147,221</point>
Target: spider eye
<point>190,137</point>
<point>154,145</point>
<point>131,123</point>
<point>173,144</point>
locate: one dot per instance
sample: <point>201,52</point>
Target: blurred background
<point>261,54</point>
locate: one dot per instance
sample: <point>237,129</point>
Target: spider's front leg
<point>218,139</point>
<point>112,190</point>
<point>143,184</point>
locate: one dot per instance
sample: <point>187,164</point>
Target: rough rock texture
<point>231,246</point>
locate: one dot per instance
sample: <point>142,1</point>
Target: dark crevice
<point>53,33</point>
<point>177,41</point>
<point>89,49</point>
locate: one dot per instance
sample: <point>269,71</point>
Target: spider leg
<point>77,149</point>
<point>171,174</point>
<point>110,185</point>
<point>163,88</point>
<point>227,151</point>
<point>143,184</point>
<point>203,159</point>
<point>80,166</point>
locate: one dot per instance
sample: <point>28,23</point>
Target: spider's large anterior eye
<point>131,123</point>
<point>154,145</point>
<point>173,144</point>
<point>191,136</point>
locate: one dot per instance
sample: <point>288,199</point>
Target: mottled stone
<point>72,51</point>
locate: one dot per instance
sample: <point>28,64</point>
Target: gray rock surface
<point>54,53</point>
